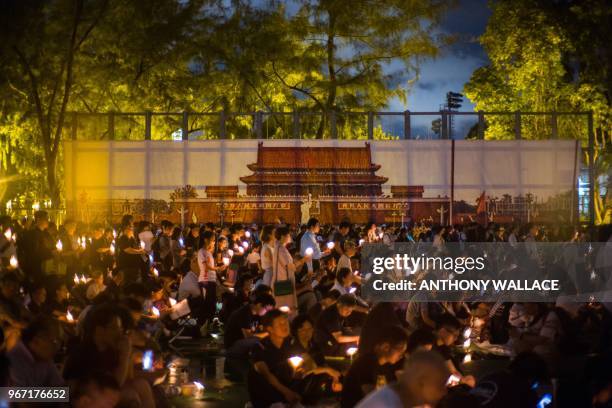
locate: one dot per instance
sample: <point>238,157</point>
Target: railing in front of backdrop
<point>330,125</point>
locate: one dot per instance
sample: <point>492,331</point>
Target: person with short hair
<point>241,328</point>
<point>270,377</point>
<point>329,329</point>
<point>374,369</point>
<point>31,360</point>
<point>309,240</point>
<point>422,383</point>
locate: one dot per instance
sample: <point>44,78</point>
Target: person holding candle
<point>370,369</point>
<point>269,379</point>
<point>96,285</point>
<point>129,254</point>
<point>447,333</point>
<point>38,297</point>
<point>329,334</point>
<point>208,273</point>
<point>241,333</point>
<point>309,242</point>
<point>35,247</point>
<point>284,267</point>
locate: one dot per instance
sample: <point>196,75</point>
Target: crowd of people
<point>81,305</point>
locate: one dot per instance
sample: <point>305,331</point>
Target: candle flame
<point>13,262</point>
<point>284,309</point>
<point>142,244</point>
<point>245,245</point>
<point>76,279</point>
<point>330,245</point>
<point>230,252</point>
<point>155,311</point>
<point>351,351</point>
<point>8,234</point>
<point>172,301</point>
<point>467,343</point>
<point>467,358</point>
<point>361,242</point>
<point>296,361</point>
<point>69,316</point>
<point>467,333</point>
<point>112,248</point>
<point>247,234</point>
<point>241,250</point>
<point>198,385</point>
<point>156,272</point>
<point>59,246</point>
<point>309,251</point>
<point>226,261</point>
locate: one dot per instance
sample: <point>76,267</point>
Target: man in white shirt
<point>309,240</point>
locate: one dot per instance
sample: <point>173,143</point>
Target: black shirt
<point>261,392</point>
<point>125,260</point>
<point>329,322</point>
<point>85,359</point>
<point>364,371</point>
<point>242,318</point>
<point>504,390</point>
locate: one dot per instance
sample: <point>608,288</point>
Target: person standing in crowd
<point>283,275</point>
<point>35,247</point>
<point>309,240</point>
<point>267,253</point>
<point>129,257</point>
<point>208,273</point>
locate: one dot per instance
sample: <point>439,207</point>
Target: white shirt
<point>189,287</point>
<point>253,258</point>
<point>147,237</point>
<point>344,262</point>
<point>205,263</point>
<point>385,397</point>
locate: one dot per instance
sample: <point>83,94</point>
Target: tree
<point>346,50</point>
<point>547,56</point>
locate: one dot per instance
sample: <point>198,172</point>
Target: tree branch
<point>295,88</point>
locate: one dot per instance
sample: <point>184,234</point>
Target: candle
<point>247,234</point>
<point>240,250</point>
<point>330,245</point>
<point>79,241</point>
<point>181,241</point>
<point>8,234</point>
<point>467,358</point>
<point>226,261</point>
<point>69,316</point>
<point>112,248</point>
<point>83,279</point>
<point>155,311</point>
<point>9,205</point>
<point>296,361</point>
<point>83,242</point>
<point>142,244</point>
<point>356,273</point>
<point>352,290</point>
<point>466,344</point>
<point>351,352</point>
<point>467,333</point>
<point>245,245</point>
<point>13,262</point>
<point>156,272</point>
<point>36,206</point>
<point>59,245</point>
<point>172,301</point>
<point>76,279</point>
<point>199,389</point>
<point>114,234</point>
<point>151,259</point>
<point>230,253</point>
<point>309,251</point>
<point>381,235</point>
<point>284,309</point>
<point>14,237</point>
<point>361,242</point>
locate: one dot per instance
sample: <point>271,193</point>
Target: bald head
<point>423,380</point>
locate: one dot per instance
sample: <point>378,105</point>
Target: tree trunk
<point>54,190</point>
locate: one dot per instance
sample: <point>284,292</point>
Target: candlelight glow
<point>296,361</point>
<point>59,245</point>
<point>83,242</point>
<point>155,311</point>
<point>230,252</point>
<point>181,241</point>
<point>14,237</point>
<point>83,279</point>
<point>284,309</point>
<point>381,235</point>
<point>245,245</point>
<point>309,251</point>
<point>361,242</point>
<point>241,250</point>
<point>467,333</point>
<point>467,358</point>
<point>114,234</point>
<point>76,279</point>
<point>112,248</point>
<point>172,301</point>
<point>356,273</point>
<point>226,261</point>
<point>330,245</point>
<point>352,290</point>
<point>467,343</point>
<point>198,385</point>
<point>13,262</point>
<point>247,234</point>
<point>69,316</point>
<point>36,206</point>
<point>142,244</point>
<point>8,234</point>
<point>156,272</point>
<point>351,351</point>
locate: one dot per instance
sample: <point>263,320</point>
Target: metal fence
<point>328,125</point>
